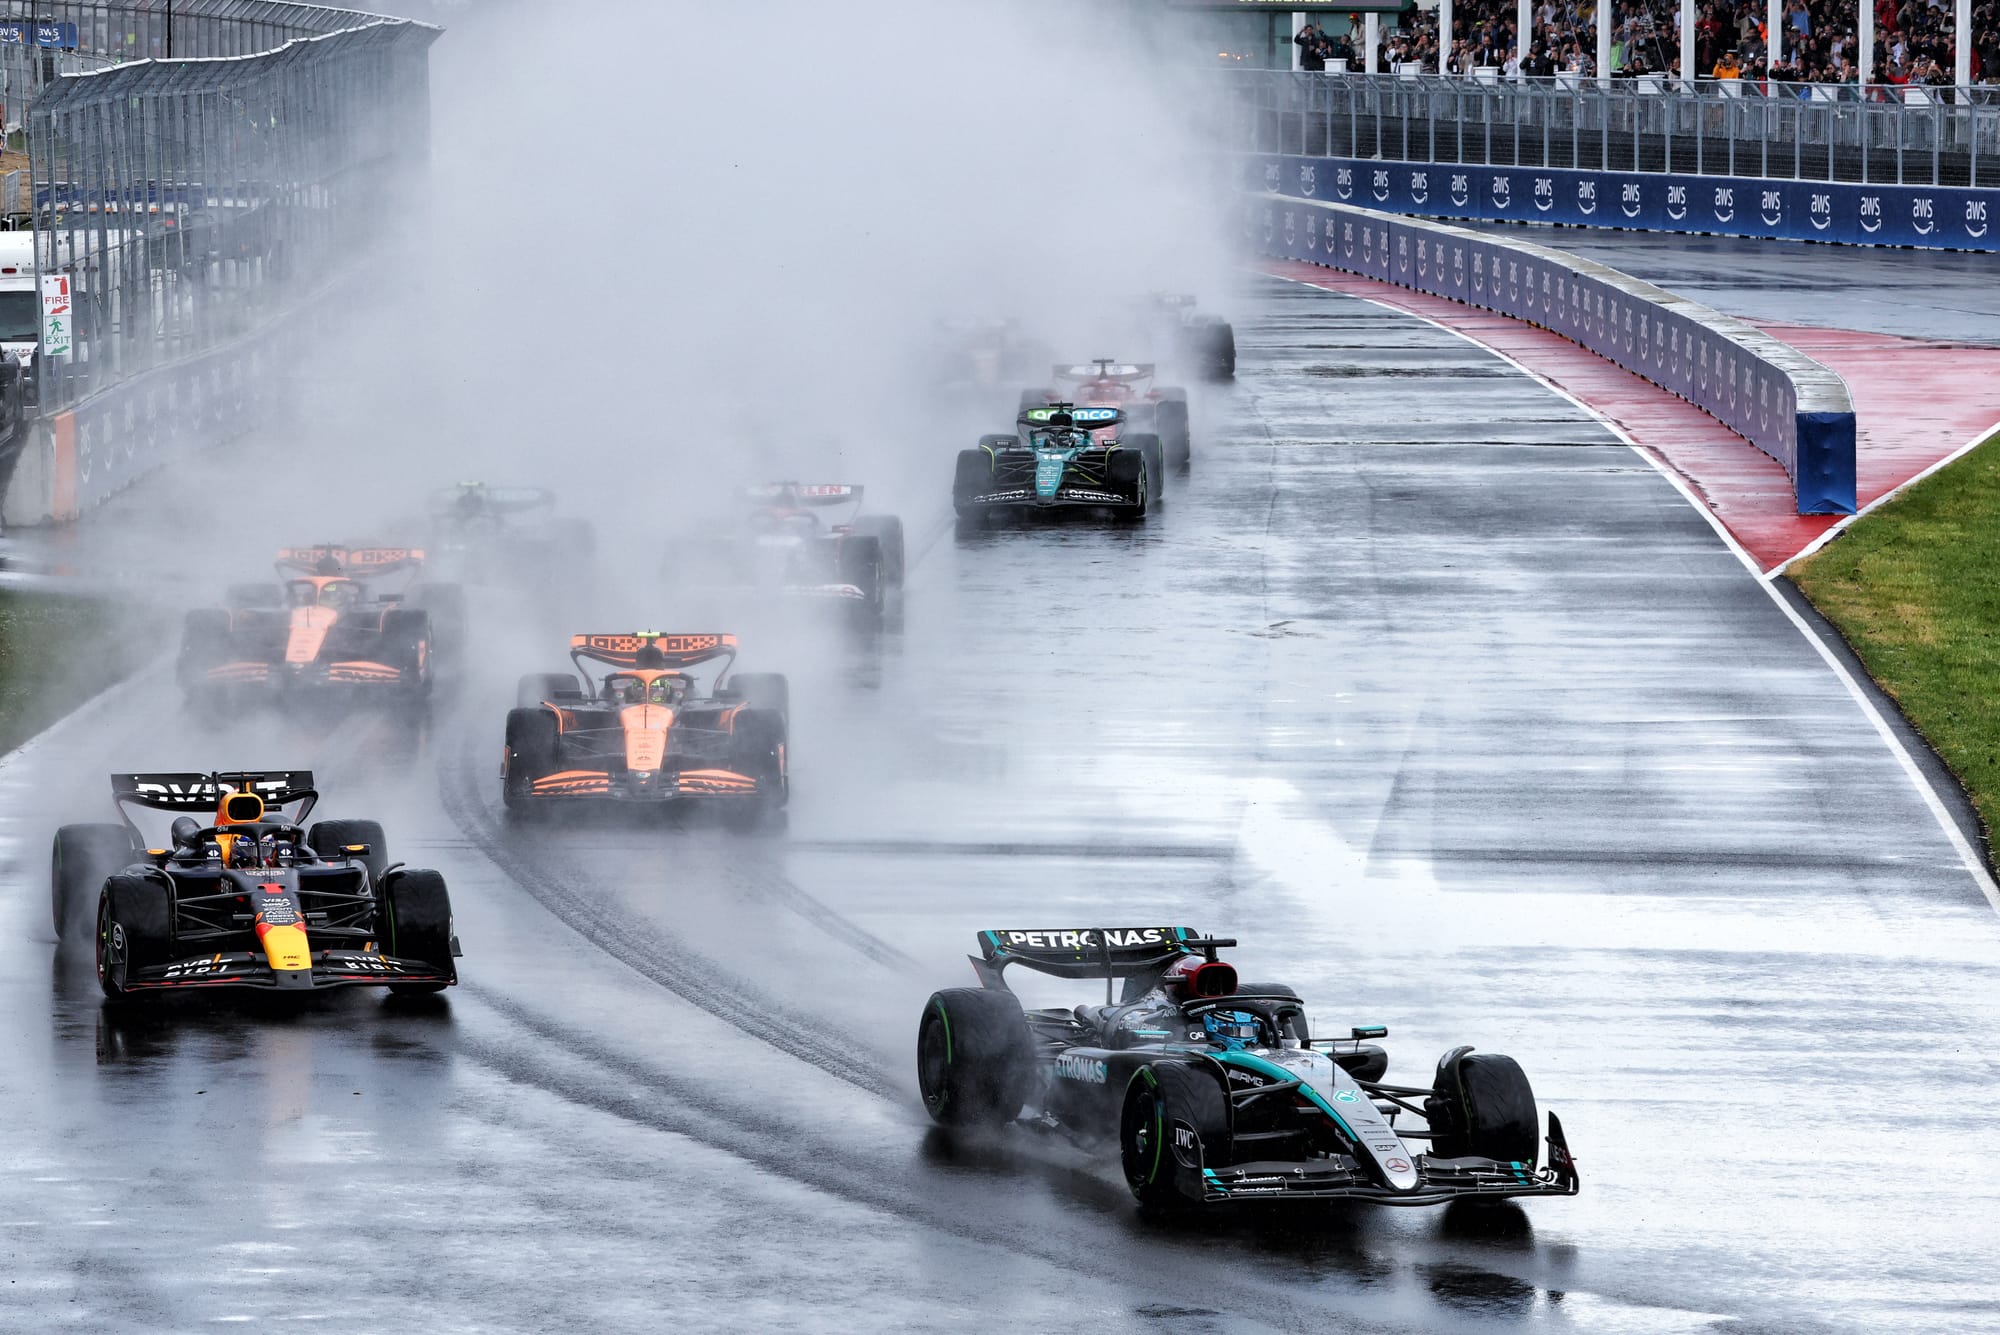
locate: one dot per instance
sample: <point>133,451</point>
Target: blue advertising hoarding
<point>1941,217</point>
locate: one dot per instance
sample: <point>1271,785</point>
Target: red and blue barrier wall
<point>1775,397</point>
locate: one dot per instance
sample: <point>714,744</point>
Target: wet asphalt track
<point>1489,742</point>
<point>1880,289</point>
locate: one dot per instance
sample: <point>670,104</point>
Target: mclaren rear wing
<point>355,562</point>
<point>651,649</point>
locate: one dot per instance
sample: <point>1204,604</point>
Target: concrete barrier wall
<point>1774,396</point>
<point>75,459</point>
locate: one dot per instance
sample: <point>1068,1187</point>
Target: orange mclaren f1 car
<point>328,626</point>
<point>240,892</point>
<point>647,732</point>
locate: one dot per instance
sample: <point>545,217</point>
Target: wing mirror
<point>1361,1031</point>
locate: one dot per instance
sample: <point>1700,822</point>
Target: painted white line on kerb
<point>1990,433</point>
<point>1967,855</point>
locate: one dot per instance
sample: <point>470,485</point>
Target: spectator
<point>1311,54</point>
<point>1727,68</point>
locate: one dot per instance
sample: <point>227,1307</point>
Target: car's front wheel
<point>1482,1105</point>
<point>1175,1122</point>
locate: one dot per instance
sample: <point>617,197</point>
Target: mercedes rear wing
<point>1083,952</point>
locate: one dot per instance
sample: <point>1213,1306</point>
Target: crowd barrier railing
<point>1774,396</point>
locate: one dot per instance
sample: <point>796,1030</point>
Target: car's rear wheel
<point>887,530</point>
<point>1481,1104</point>
<point>331,838</point>
<point>975,1057</point>
<point>536,687</point>
<point>1171,422</point>
<point>135,930</point>
<point>530,754</point>
<point>1174,1123</point>
<point>414,920</point>
<point>861,567</point>
<point>763,690</point>
<point>82,857</point>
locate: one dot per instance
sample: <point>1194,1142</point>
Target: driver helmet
<point>667,691</point>
<point>339,596</point>
<point>632,691</point>
<point>1232,1030</point>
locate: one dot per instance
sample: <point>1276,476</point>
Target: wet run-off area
<point>1444,703</point>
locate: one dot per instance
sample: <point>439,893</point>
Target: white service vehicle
<point>20,303</point>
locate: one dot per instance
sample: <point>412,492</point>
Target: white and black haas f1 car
<point>647,733</point>
<point>798,542</point>
<point>240,892</point>
<point>327,627</point>
<point>1215,1090</point>
<point>1063,459</point>
<point>1161,410</point>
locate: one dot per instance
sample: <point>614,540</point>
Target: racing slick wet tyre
<point>407,644</point>
<point>975,1058</point>
<point>530,754</point>
<point>135,930</point>
<point>1171,422</point>
<point>537,687</point>
<point>82,857</point>
<point>763,690</point>
<point>329,837</point>
<point>1211,346</point>
<point>1175,1122</point>
<point>415,923</point>
<point>446,605</point>
<point>254,595</point>
<point>1126,472</point>
<point>861,566</point>
<point>1148,444</point>
<point>975,475</point>
<point>1481,1104</point>
<point>887,530</point>
<point>758,750</point>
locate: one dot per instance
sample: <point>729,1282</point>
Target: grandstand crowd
<point>1914,41</point>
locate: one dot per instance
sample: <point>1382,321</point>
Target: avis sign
<point>55,314</point>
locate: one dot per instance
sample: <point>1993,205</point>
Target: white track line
<point>1974,865</point>
<point>1990,433</point>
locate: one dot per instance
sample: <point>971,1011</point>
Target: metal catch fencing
<point>195,200</point>
<point>1803,132</point>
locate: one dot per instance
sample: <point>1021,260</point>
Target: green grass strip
<point>1915,588</point>
<point>56,651</point>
